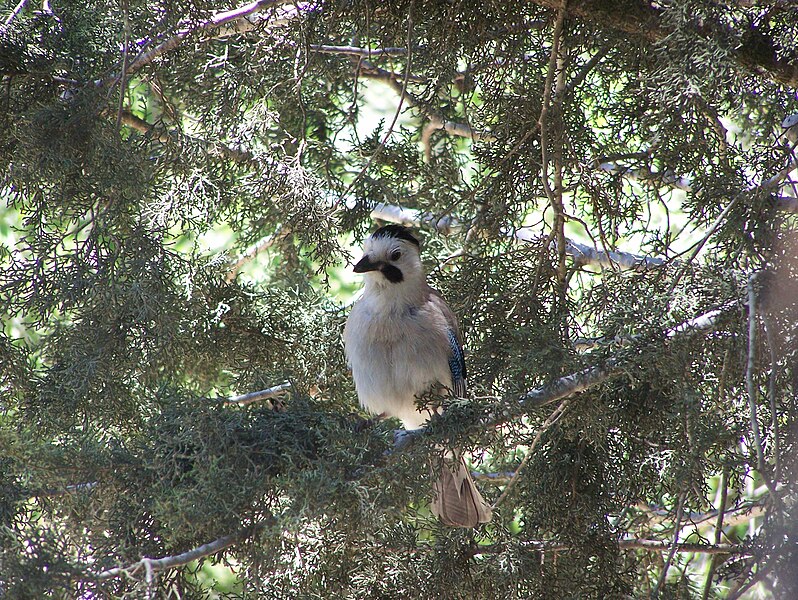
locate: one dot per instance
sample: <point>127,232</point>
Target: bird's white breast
<point>396,355</point>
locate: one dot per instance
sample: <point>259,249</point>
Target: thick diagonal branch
<point>756,51</point>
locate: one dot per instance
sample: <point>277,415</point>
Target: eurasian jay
<point>402,340</point>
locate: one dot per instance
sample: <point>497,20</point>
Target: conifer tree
<point>606,196</point>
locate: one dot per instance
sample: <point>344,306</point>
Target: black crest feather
<point>396,231</point>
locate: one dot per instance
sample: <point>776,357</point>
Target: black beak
<point>364,265</point>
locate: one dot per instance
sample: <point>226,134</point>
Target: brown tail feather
<point>456,500</point>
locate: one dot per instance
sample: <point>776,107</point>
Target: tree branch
<point>570,385</point>
<point>358,52</point>
<point>593,376</point>
<point>757,51</point>
<point>14,13</point>
<point>625,544</point>
<point>251,252</point>
<point>553,418</point>
<point>238,20</point>
<point>648,176</point>
<point>550,115</point>
<point>153,565</point>
<point>436,120</point>
<point>580,253</point>
<point>272,392</point>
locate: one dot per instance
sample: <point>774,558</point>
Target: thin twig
<point>676,530</point>
<point>724,491</point>
<point>402,96</point>
<point>251,252</point>
<point>553,418</point>
<point>554,194</point>
<point>123,74</point>
<point>710,232</point>
<point>577,79</point>
<point>774,415</point>
<point>761,465</point>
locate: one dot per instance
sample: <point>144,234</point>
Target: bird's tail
<point>456,500</point>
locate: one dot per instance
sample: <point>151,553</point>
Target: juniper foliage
<point>181,181</point>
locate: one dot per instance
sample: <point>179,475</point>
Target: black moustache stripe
<point>392,274</point>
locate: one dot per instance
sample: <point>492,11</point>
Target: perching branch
<point>570,385</point>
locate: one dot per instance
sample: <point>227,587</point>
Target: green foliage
<point>175,224</point>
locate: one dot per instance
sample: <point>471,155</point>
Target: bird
<point>789,127</point>
<point>401,340</point>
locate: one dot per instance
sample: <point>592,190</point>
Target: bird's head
<point>391,257</point>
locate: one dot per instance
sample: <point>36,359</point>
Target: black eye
<point>396,255</point>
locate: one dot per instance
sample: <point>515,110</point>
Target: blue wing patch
<point>457,364</point>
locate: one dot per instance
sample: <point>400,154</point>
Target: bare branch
<point>238,20</point>
<point>359,52</point>
<point>460,129</point>
<point>593,376</point>
<point>272,392</point>
<point>411,217</point>
<point>580,253</point>
<point>152,565</point>
<point>17,9</point>
<point>250,253</point>
<point>583,254</point>
<point>625,544</point>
